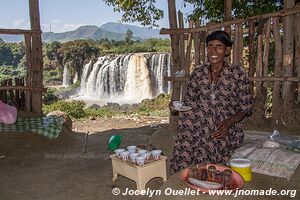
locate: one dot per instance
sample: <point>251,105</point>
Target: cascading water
<point>127,78</point>
<point>66,77</point>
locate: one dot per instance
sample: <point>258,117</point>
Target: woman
<point>220,97</point>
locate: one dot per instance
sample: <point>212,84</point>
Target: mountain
<point>83,32</point>
<point>110,30</point>
<point>138,32</point>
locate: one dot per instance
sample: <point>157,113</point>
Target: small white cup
<point>133,157</point>
<point>147,155</point>
<point>118,152</point>
<point>177,104</point>
<point>131,149</point>
<point>124,155</point>
<point>142,151</point>
<point>140,160</point>
<point>156,154</point>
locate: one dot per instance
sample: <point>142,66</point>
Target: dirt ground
<point>34,167</point>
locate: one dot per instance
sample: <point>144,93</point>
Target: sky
<point>67,15</point>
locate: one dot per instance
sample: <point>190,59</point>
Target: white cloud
<point>20,23</point>
<point>56,21</point>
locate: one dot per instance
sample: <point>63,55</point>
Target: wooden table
<point>140,174</point>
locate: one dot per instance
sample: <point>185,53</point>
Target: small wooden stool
<point>140,174</point>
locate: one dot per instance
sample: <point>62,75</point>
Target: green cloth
<point>50,126</point>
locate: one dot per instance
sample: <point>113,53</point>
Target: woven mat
<point>277,162</point>
<point>50,126</point>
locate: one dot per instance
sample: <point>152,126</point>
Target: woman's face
<point>216,51</point>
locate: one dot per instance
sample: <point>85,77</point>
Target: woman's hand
<point>223,129</point>
<point>172,110</point>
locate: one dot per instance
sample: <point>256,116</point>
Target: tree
<point>129,37</point>
<point>77,52</point>
<point>143,11</point>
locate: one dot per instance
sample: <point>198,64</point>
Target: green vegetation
<point>77,110</point>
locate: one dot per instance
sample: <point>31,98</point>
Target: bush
<point>50,97</point>
<point>73,109</point>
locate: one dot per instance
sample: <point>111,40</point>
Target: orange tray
<point>237,180</point>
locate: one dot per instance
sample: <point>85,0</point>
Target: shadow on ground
<point>34,167</point>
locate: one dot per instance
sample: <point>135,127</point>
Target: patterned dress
<point>211,104</point>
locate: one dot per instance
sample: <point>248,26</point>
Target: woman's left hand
<point>223,129</point>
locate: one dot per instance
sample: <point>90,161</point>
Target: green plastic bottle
<point>114,142</point>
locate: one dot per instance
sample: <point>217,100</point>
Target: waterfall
<point>126,78</point>
<point>66,77</point>
<point>138,83</point>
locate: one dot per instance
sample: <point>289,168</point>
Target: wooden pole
<point>229,23</point>
<point>288,58</point>
<point>227,13</point>
<point>276,100</point>
<point>28,73</point>
<point>173,120</point>
<point>297,48</point>
<point>251,52</point>
<point>197,45</point>
<point>37,59</point>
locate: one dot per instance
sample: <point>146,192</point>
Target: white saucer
<point>205,184</point>
<point>183,109</point>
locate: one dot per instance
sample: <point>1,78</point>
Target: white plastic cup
<point>147,155</point>
<point>177,104</point>
<point>142,151</point>
<point>133,157</point>
<point>131,149</point>
<point>118,152</point>
<point>124,155</point>
<point>140,160</point>
<point>156,154</point>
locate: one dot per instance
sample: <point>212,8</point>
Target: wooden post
<point>251,52</point>
<point>197,44</point>
<point>28,72</point>
<point>276,100</point>
<point>182,52</point>
<point>227,13</point>
<point>288,58</point>
<point>297,48</point>
<point>266,48</point>
<point>173,121</point>
<point>37,59</point>
<point>259,113</point>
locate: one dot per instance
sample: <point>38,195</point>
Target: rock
<point>67,119</point>
<point>95,106</point>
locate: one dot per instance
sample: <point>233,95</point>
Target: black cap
<point>222,36</point>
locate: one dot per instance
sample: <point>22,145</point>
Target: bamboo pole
<point>281,13</point>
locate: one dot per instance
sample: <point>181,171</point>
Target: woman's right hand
<point>172,110</point>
